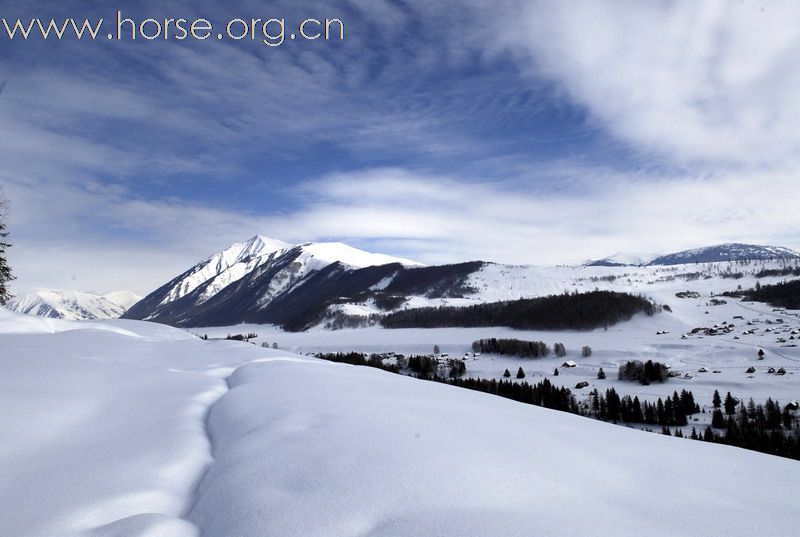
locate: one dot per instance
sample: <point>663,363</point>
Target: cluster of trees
<point>357,358</point>
<point>671,411</point>
<point>423,366</point>
<point>386,301</point>
<point>512,347</point>
<point>785,271</point>
<point>339,321</point>
<point>576,311</point>
<point>782,295</point>
<point>241,337</point>
<point>543,394</point>
<point>643,372</point>
<point>520,374</point>
<point>767,428</point>
<point>428,366</point>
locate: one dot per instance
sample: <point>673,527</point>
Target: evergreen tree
<point>5,270</point>
<point>436,349</point>
<point>718,420</point>
<point>730,404</point>
<point>520,373</point>
<point>717,401</point>
<point>601,374</point>
<point>555,372</point>
<point>507,374</point>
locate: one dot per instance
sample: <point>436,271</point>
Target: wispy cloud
<point>711,82</point>
<point>524,132</point>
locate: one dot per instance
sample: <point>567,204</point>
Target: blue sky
<point>514,131</point>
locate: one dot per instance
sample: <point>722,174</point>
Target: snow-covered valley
<point>124,428</point>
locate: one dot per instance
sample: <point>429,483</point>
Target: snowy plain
<point>131,429</point>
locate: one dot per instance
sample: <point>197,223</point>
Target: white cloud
<point>714,81</point>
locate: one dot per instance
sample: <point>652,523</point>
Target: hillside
<point>179,437</point>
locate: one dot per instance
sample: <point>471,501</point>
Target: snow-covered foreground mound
<point>132,429</point>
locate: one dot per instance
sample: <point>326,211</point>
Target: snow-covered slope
<point>622,259</point>
<point>245,278</point>
<point>727,252</point>
<point>229,261</point>
<point>326,253</point>
<point>138,430</point>
<point>74,305</point>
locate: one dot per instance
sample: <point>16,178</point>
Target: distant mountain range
<point>74,305</point>
<point>267,281</point>
<point>709,254</point>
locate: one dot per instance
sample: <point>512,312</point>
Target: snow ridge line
<point>197,493</point>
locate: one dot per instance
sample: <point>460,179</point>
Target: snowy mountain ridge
<point>726,252</point>
<point>263,281</point>
<point>74,305</point>
<point>245,279</point>
<point>718,253</point>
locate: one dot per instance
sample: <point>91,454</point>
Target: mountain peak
<point>331,252</point>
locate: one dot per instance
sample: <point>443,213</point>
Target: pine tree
<point>507,374</point>
<point>5,270</point>
<point>555,372</point>
<point>520,373</point>
<point>718,420</point>
<point>717,401</point>
<point>601,374</point>
<point>436,349</point>
<point>730,404</point>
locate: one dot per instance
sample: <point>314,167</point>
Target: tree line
<point>512,347</point>
<point>674,411</point>
<point>782,295</point>
<point>576,311</point>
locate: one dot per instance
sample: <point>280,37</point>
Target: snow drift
<point>124,428</point>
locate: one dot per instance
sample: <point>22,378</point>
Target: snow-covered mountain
<point>710,254</point>
<point>727,252</point>
<point>74,305</point>
<point>264,281</point>
<point>245,283</point>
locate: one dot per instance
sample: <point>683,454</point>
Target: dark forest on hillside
<point>578,311</point>
<point>782,295</point>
